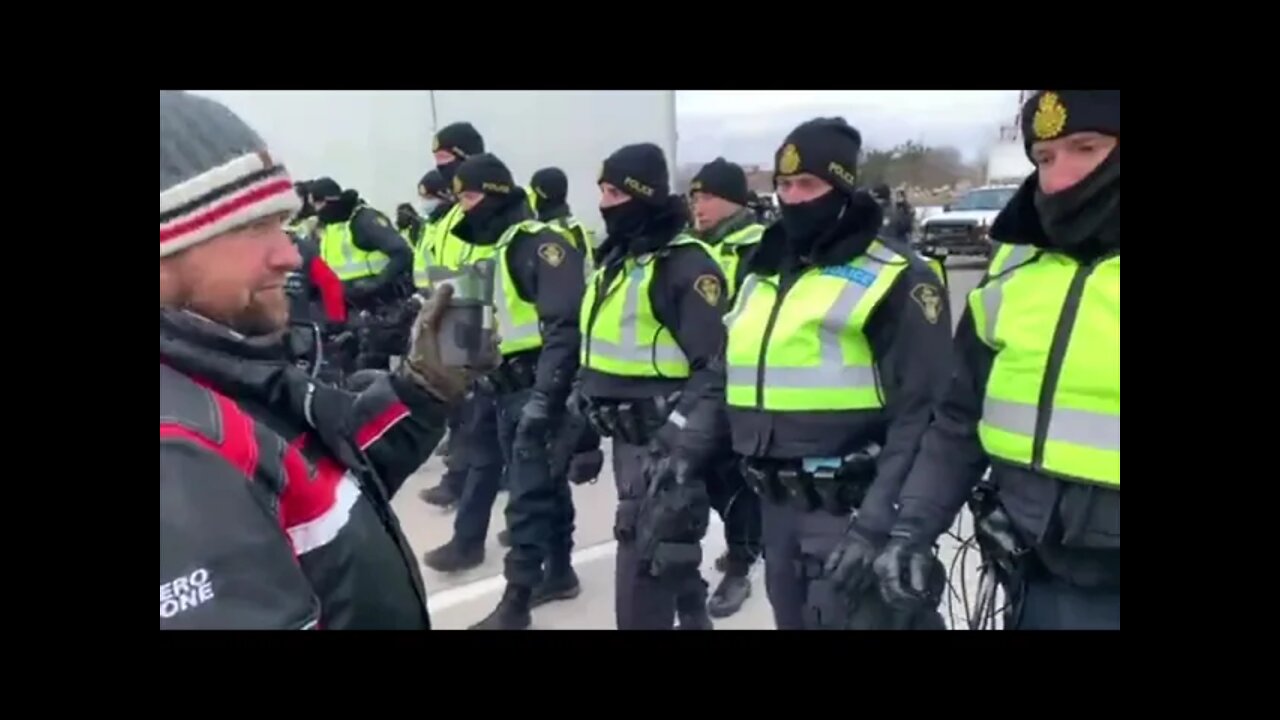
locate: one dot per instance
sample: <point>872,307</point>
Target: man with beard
<point>373,262</point>
<point>538,288</point>
<point>1036,393</point>
<point>719,197</point>
<point>651,333</point>
<point>837,348</point>
<point>274,490</point>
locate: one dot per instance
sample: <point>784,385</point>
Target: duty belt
<point>838,489</point>
<point>516,373</point>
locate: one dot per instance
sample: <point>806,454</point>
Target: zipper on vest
<point>764,343</point>
<point>1057,356</point>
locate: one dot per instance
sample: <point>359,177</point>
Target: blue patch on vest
<point>852,274</point>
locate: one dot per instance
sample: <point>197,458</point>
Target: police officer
<point>651,332</point>
<point>475,460</point>
<point>723,221</point>
<point>550,194</point>
<point>837,346</point>
<point>538,288</point>
<point>371,259</point>
<point>1036,392</point>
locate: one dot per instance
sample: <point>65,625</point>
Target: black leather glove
<point>535,420</point>
<point>910,576</point>
<point>849,565</point>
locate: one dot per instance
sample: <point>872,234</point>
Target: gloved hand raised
<point>910,576</point>
<point>422,363</point>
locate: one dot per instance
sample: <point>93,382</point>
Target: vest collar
<point>728,226</point>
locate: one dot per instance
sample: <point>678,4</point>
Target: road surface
<point>458,600</point>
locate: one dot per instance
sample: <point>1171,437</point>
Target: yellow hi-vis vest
<point>623,336</point>
<point>1053,395</point>
<point>806,351</point>
<point>338,250</point>
<point>517,317</point>
<point>422,260</point>
<point>451,251</point>
<point>728,252</point>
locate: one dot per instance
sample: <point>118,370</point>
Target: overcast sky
<point>747,126</point>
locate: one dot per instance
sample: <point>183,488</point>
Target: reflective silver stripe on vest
<point>832,372</point>
<point>1017,256</point>
<point>630,349</point>
<point>744,293</point>
<point>507,327</point>
<point>1078,427</point>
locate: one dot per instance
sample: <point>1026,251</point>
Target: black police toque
<point>639,171</point>
<point>433,184</point>
<point>1051,114</point>
<point>722,179</point>
<point>551,185</point>
<point>483,173</point>
<point>460,138</point>
<point>825,147</point>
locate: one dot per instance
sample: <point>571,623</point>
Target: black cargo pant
<point>483,462</point>
<point>739,509</point>
<point>1049,603</point>
<point>642,601</point>
<point>540,509</point>
<point>796,547</point>
<point>455,463</point>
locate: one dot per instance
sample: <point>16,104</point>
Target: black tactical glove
<point>849,565</point>
<point>535,420</point>
<point>910,576</point>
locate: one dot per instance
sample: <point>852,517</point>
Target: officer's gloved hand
<point>422,363</point>
<point>909,574</point>
<point>850,564</point>
<point>535,419</point>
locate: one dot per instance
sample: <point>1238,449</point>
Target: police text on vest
<point>185,593</point>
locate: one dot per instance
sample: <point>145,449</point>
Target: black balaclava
<point>485,223</point>
<point>461,139</point>
<point>339,203</point>
<point>639,171</point>
<point>1087,212</point>
<point>827,148</point>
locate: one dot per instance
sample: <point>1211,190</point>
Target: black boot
<point>560,583</point>
<point>441,496</point>
<point>733,590</point>
<point>454,557</point>
<point>512,612</point>
<point>504,538</point>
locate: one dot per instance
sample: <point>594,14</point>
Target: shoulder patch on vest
<point>708,286</point>
<point>929,298</point>
<point>551,253</point>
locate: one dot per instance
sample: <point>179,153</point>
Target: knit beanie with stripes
<point>215,173</point>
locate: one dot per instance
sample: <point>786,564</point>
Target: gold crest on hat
<point>789,160</point>
<point>457,185</point>
<point>1050,118</point>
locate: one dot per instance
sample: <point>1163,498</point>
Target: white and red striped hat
<point>215,173</point>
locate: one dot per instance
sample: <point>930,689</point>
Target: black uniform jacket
<point>275,490</point>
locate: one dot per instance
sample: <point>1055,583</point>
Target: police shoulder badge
<point>552,253</point>
<point>788,160</point>
<point>457,185</point>
<point>1050,118</point>
<point>708,286</point>
<point>929,300</point>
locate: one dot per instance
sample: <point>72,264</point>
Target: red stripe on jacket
<point>330,287</point>
<point>378,426</point>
